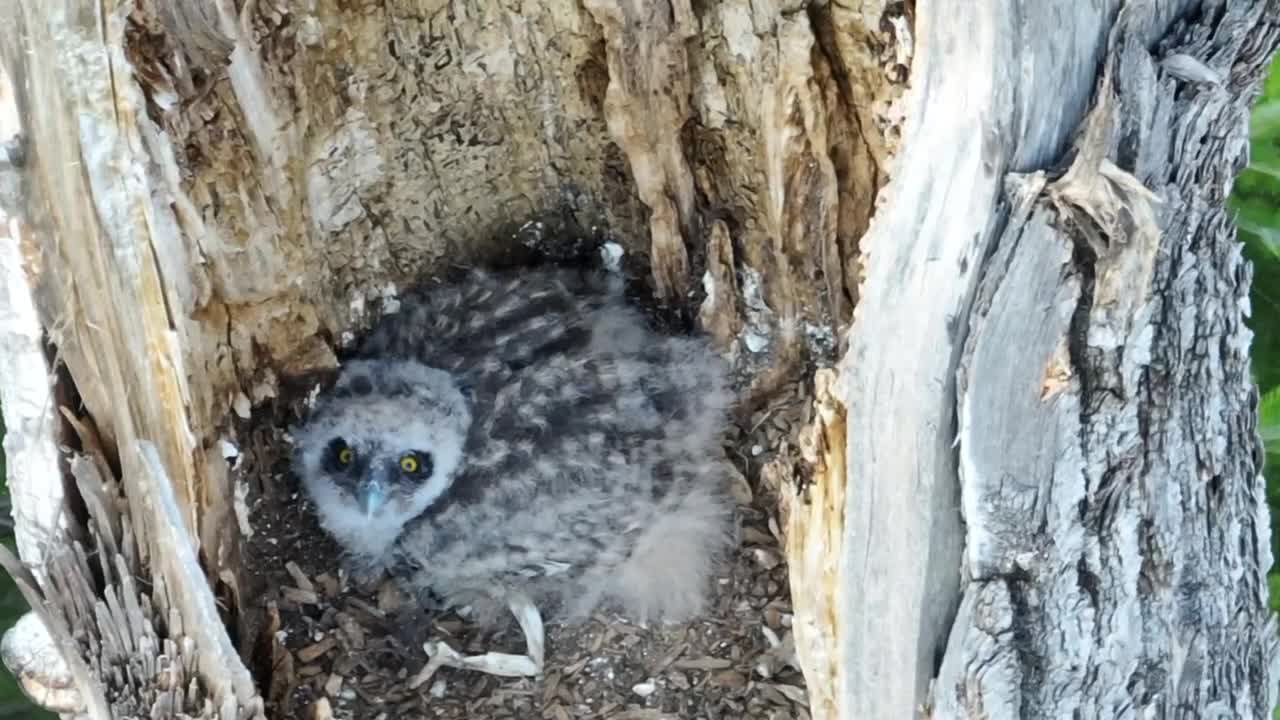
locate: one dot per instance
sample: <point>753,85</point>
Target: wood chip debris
<point>321,710</point>
<point>704,663</point>
<point>312,652</point>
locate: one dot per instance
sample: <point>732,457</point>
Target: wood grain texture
<point>30,414</point>
<point>646,104</point>
<point>107,268</point>
<point>368,143</point>
<point>1117,536</point>
<point>1015,106</point>
<point>132,643</point>
<point>815,535</point>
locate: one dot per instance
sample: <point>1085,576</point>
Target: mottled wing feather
<point>489,318</point>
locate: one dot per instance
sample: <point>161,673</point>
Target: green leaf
<point>1256,202</point>
<point>1269,419</point>
<point>1265,123</point>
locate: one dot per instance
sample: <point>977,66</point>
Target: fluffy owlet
<point>530,432</point>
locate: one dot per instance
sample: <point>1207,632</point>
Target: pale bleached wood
<point>30,412</point>
<point>131,642</point>
<point>1118,537</point>
<point>108,270</point>
<point>898,584</point>
<point>32,653</point>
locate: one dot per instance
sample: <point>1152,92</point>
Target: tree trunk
<point>990,237</point>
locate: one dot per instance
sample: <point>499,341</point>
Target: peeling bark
<point>646,105</point>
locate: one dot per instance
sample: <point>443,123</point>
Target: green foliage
<point>1256,201</point>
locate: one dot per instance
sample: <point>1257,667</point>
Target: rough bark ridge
<point>897,587</point>
<point>1117,536</point>
<point>934,231</point>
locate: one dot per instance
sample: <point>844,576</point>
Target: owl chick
<point>527,432</point>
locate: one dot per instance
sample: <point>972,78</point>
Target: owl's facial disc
<point>381,448</point>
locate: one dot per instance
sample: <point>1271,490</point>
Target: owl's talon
<point>440,654</point>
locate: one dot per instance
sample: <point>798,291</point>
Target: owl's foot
<point>530,664</point>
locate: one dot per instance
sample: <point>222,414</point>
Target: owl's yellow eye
<point>409,464</point>
<point>346,455</point>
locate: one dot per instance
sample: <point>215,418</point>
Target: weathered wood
<point>30,414</point>
<point>926,248</point>
<point>348,150</point>
<point>1117,529</point>
<point>1014,107</point>
<point>130,652</point>
<point>109,271</point>
<point>815,534</point>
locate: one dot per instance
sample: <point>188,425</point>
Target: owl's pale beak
<point>371,497</point>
